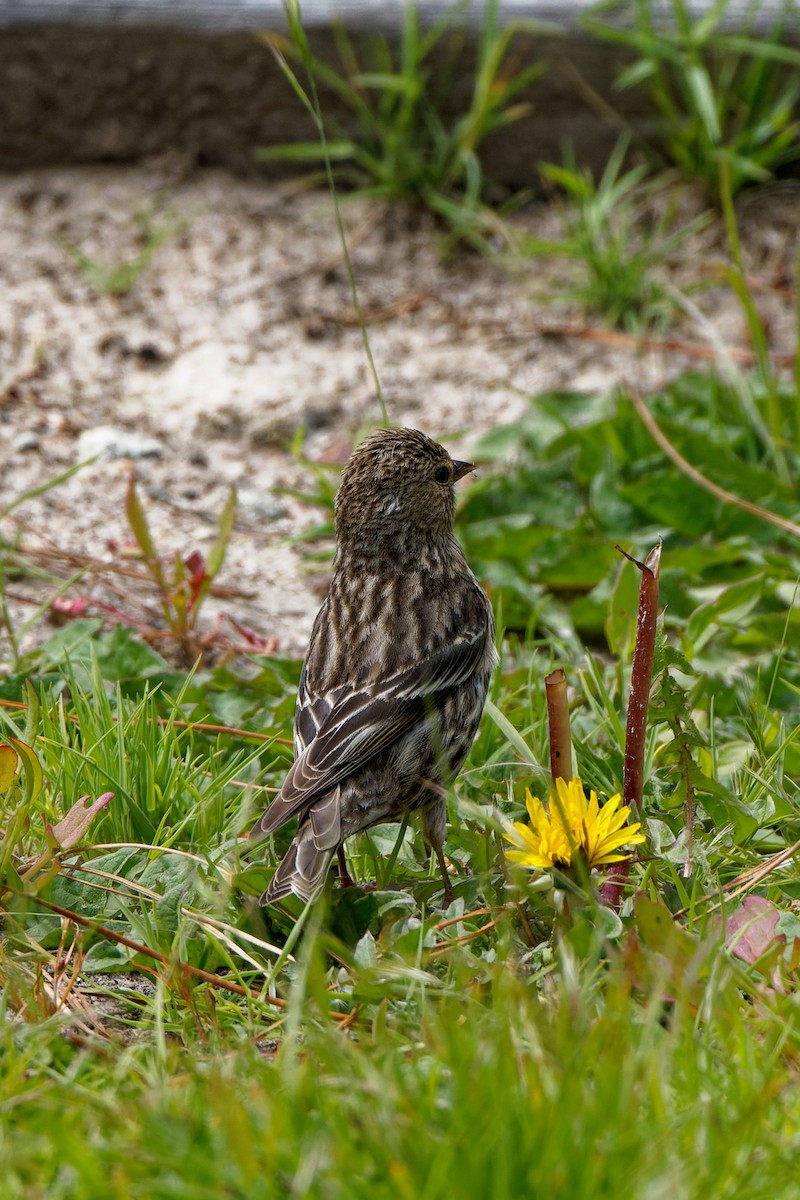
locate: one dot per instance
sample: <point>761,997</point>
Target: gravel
<point>236,359</point>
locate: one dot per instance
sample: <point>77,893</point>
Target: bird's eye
<point>442,474</point>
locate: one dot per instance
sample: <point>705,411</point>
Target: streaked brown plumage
<point>395,677</point>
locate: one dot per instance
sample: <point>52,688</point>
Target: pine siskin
<point>395,677</point>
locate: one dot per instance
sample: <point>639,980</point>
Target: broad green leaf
<point>31,769</point>
<point>728,607</point>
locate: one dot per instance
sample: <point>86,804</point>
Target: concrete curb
<point>238,15</point>
<point>93,81</point>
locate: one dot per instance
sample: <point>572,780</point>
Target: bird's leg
<point>433,819</point>
<point>345,878</point>
<point>449,894</point>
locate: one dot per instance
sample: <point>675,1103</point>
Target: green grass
<point>404,144</point>
<point>622,235</point>
<point>156,228</point>
<point>390,1049</point>
<point>725,97</point>
<point>591,1091</point>
<point>162,1036</point>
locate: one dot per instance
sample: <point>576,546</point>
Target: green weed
<point>724,98</point>
<point>405,146</point>
<point>184,586</point>
<point>622,234</point>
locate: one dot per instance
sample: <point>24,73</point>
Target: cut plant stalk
<point>636,725</point>
<point>558,722</point>
<point>555,688</point>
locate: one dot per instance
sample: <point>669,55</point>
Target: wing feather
<point>358,724</point>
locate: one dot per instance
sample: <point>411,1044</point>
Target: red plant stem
<point>641,678</point>
<point>558,721</point>
<point>170,965</point>
<point>205,726</point>
<point>636,727</point>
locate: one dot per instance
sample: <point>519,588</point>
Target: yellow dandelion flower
<point>571,826</point>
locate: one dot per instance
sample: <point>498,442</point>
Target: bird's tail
<point>303,868</point>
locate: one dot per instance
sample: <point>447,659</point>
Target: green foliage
<point>405,145</point>
<point>589,476</point>
<point>520,1096</point>
<point>374,1045</point>
<point>569,1018</point>
<point>724,98</point>
<point>615,230</point>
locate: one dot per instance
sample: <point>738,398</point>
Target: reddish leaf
<point>751,929</point>
<point>71,828</point>
<point>266,645</point>
<point>196,565</point>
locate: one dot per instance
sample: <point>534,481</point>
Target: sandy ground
<point>238,339</point>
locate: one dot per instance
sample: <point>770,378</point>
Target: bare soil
<point>239,341</point>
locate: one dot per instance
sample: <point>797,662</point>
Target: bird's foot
<point>345,878</point>
<point>449,895</point>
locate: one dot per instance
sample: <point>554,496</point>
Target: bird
<point>397,669</point>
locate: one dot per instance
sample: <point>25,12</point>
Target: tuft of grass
<point>405,145</point>
<point>724,98</point>
<point>622,233</point>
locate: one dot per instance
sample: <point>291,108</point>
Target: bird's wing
<point>359,724</point>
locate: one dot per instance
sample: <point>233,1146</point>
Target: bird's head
<point>397,491</point>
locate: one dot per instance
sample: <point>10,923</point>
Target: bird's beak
<point>460,469</point>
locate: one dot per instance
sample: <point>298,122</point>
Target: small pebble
<point>109,441</point>
<point>259,506</point>
<point>28,439</point>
